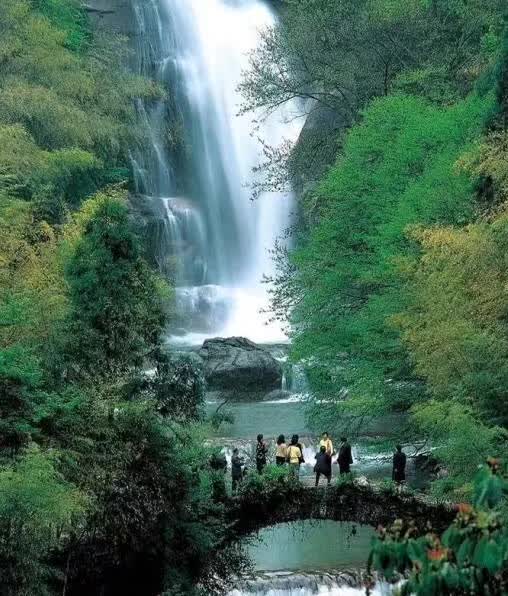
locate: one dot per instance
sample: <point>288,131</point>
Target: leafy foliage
<point>179,386</point>
<point>394,290</point>
<point>150,495</point>
<point>455,324</point>
<point>462,440</point>
<point>67,16</point>
<point>469,557</point>
<point>341,54</point>
<point>64,113</point>
<point>116,314</point>
<point>37,509</point>
<point>397,170</point>
<point>334,56</point>
<point>95,483</point>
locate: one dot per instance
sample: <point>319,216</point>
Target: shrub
<point>469,557</point>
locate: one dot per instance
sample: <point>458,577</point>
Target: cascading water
<point>303,584</point>
<point>216,241</point>
<point>296,559</point>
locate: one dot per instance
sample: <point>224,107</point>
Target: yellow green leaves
<point>37,506</point>
<point>455,326</point>
<point>54,99</point>
<point>490,162</point>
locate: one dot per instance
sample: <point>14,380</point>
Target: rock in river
<point>238,364</point>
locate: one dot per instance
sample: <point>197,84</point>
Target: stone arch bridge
<point>266,504</point>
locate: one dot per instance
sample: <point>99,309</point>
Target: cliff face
<point>118,17</point>
<point>112,15</point>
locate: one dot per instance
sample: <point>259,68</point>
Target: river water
<point>213,242</point>
<point>304,558</point>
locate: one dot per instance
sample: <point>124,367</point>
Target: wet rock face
<point>112,15</point>
<point>236,364</point>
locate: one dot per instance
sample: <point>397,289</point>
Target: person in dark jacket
<point>323,465</point>
<point>344,459</point>
<point>261,451</point>
<point>218,462</point>
<point>399,465</point>
<point>236,470</point>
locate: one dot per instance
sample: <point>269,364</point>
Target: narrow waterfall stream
<point>216,241</point>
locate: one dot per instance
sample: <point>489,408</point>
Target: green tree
<point>67,115</point>
<point>154,501</point>
<point>38,509</point>
<point>178,385</point>
<point>20,374</point>
<point>455,322</point>
<point>347,282</point>
<point>334,56</point>
<point>116,303</point>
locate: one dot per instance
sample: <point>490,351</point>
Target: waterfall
<point>216,240</point>
<point>305,584</point>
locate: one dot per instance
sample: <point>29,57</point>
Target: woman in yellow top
<point>281,451</point>
<point>326,442</point>
<point>294,457</point>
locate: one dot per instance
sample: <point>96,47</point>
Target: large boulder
<point>239,365</point>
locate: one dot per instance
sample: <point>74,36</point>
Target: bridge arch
<point>367,504</point>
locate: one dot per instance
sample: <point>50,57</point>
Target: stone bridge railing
<point>367,504</point>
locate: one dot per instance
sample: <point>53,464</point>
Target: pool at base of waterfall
<point>306,558</point>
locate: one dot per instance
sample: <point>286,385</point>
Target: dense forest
<point>102,468</point>
<point>395,287</point>
<point>393,290</point>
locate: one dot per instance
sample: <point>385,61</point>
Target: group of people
<point>292,454</point>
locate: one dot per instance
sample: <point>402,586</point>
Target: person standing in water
<point>261,451</point>
<point>281,451</point>
<point>323,465</point>
<point>345,459</point>
<point>294,456</point>
<point>399,465</point>
<point>326,442</point>
<point>236,470</point>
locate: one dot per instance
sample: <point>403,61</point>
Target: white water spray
<point>220,241</point>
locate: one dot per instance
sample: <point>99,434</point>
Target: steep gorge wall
<point>112,15</point>
<point>119,17</point>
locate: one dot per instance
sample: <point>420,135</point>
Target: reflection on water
<point>310,545</point>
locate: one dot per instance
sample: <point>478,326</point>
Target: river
<point>213,242</point>
<point>303,558</point>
